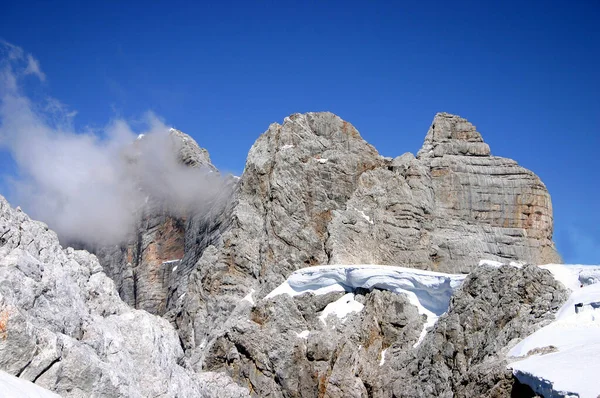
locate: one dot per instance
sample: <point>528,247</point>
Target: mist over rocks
<point>90,185</point>
<point>150,260</point>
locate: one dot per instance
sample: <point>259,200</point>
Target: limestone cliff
<point>314,192</point>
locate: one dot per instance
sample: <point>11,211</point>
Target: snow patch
<point>140,136</point>
<point>498,264</point>
<point>382,357</point>
<point>171,261</point>
<point>429,291</point>
<point>249,298</point>
<point>303,334</point>
<point>363,215</point>
<point>174,269</point>
<point>288,146</point>
<point>561,359</point>
<point>574,276</point>
<point>341,308</point>
<point>11,386</point>
<point>322,160</point>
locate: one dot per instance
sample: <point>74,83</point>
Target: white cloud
<point>20,62</point>
<point>33,68</point>
<point>88,185</point>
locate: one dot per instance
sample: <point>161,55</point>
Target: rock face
<point>160,253</point>
<point>451,205</point>
<point>64,327</point>
<point>464,355</point>
<point>284,346</point>
<point>314,192</point>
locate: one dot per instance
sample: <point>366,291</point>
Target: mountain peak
<point>452,135</point>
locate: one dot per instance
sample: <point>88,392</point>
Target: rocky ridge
<point>279,347</point>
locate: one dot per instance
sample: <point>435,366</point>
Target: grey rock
<point>64,327</point>
<point>314,192</point>
<point>188,150</point>
<point>464,355</point>
<point>281,348</point>
<point>446,209</point>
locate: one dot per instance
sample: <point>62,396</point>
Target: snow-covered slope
<point>13,387</point>
<point>429,291</point>
<point>562,359</point>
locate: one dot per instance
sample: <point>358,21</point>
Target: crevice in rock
<point>23,368</point>
<point>47,368</point>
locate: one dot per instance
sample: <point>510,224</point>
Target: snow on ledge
<point>382,361</point>
<point>249,298</point>
<point>342,307</point>
<point>498,264</point>
<point>429,291</point>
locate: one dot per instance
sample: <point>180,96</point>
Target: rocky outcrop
<point>64,327</point>
<point>282,348</point>
<point>445,209</point>
<point>464,355</point>
<point>314,192</point>
<point>287,346</point>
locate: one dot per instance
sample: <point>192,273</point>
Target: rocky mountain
<point>313,192</point>
<point>164,239</point>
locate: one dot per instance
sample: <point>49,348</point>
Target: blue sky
<point>525,73</point>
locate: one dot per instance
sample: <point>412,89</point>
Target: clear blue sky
<point>526,73</point>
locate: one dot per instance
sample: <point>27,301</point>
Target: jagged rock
<point>314,192</point>
<point>447,208</point>
<point>280,347</point>
<point>464,355</point>
<point>64,327</point>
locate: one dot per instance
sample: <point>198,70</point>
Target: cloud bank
<point>89,186</point>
